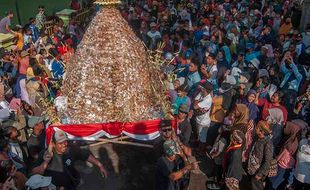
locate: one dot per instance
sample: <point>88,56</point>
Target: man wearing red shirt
<point>274,102</point>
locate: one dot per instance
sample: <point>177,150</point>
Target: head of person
<point>4,145</point>
<point>213,38</point>
<point>277,97</point>
<point>25,55</point>
<point>60,142</point>
<point>193,66</point>
<point>240,56</point>
<point>153,26</point>
<point>205,88</point>
<point>19,28</point>
<point>12,133</point>
<point>220,55</point>
<point>182,90</point>
<point>288,21</point>
<point>237,137</point>
<point>308,136</point>
<point>32,20</point>
<point>262,129</point>
<point>240,114</point>
<point>251,96</point>
<point>36,123</point>
<point>10,14</point>
<point>40,182</point>
<point>55,53</point>
<point>186,45</point>
<point>28,32</point>
<point>41,9</point>
<point>183,111</point>
<point>165,129</point>
<point>298,37</point>
<point>170,149</point>
<point>273,70</point>
<point>275,116</point>
<point>264,50</point>
<point>7,169</point>
<point>178,82</point>
<point>211,59</point>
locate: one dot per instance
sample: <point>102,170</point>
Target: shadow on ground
<point>129,168</point>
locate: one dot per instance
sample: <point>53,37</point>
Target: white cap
<point>38,181</point>
<point>181,80</point>
<point>230,80</point>
<point>255,62</point>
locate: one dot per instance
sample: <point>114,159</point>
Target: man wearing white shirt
<point>210,70</point>
<point>201,109</point>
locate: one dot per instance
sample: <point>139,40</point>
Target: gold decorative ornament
<point>107,2</point>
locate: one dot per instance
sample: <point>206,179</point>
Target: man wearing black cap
<point>167,132</point>
<point>184,125</point>
<point>201,110</point>
<point>170,169</point>
<point>58,162</point>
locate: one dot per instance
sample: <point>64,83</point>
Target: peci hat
<point>33,120</point>
<point>60,136</point>
<point>207,86</point>
<point>170,148</point>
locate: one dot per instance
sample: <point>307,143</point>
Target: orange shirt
<point>23,65</point>
<point>20,41</point>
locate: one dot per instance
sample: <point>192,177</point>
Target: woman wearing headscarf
<point>240,118</point>
<point>302,179</point>
<point>286,161</point>
<point>232,162</point>
<point>260,156</point>
<point>249,101</point>
<point>276,121</point>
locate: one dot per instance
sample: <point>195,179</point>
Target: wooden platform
<point>6,40</point>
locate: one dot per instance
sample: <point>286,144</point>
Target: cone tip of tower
<point>108,2</point>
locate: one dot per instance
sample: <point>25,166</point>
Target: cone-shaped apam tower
<point>109,78</point>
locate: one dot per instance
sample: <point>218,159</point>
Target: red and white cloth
<point>142,130</point>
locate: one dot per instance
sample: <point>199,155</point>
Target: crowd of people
<point>241,95</point>
<point>31,72</point>
<point>240,98</point>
